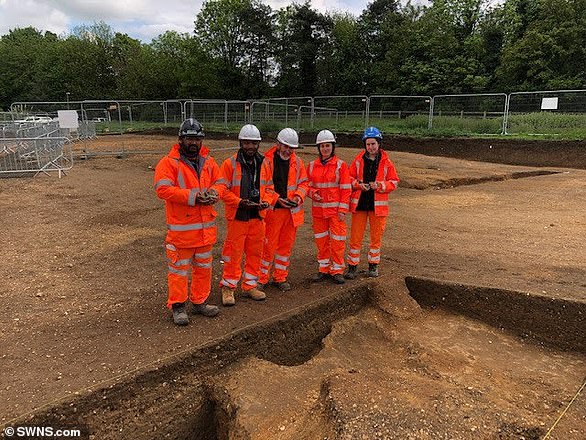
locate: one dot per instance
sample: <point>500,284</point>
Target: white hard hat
<point>249,133</point>
<point>289,137</point>
<point>325,136</point>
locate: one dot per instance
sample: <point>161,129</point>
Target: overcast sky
<point>141,19</point>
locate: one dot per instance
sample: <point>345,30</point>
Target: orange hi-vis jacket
<point>332,182</point>
<point>189,224</point>
<point>297,182</point>
<point>386,175</point>
<point>229,185</point>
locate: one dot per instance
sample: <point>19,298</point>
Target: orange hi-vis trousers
<point>377,228</point>
<point>279,240</point>
<point>243,239</point>
<point>330,239</point>
<point>181,260</point>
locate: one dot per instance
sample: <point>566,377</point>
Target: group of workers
<point>264,197</point>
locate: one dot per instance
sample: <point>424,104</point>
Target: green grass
<point>546,125</point>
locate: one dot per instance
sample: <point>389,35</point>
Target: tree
<point>239,35</point>
<point>302,37</point>
<point>551,53</point>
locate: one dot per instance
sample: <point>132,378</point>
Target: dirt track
<point>84,265</point>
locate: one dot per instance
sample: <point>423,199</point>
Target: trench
<point>175,400</point>
<point>182,400</point>
<point>466,181</point>
<point>557,323</point>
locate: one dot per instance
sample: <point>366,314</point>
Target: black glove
<point>247,204</point>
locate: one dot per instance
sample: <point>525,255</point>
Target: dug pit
<point>367,362</point>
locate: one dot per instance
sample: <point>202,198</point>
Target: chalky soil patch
<point>367,362</point>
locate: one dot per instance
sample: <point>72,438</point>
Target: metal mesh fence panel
<point>469,114</point>
<point>273,115</point>
<point>396,114</point>
<point>557,112</point>
<point>23,156</point>
<point>338,113</point>
<point>219,114</point>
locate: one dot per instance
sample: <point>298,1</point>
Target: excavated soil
<point>495,254</point>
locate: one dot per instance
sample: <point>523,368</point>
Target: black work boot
<point>373,270</point>
<point>338,279</point>
<point>205,310</point>
<point>179,314</point>
<point>351,274</point>
<point>320,276</point>
<point>283,286</point>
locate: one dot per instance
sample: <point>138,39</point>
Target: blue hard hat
<point>372,132</point>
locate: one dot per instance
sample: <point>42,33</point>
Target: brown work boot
<point>228,296</point>
<point>255,294</point>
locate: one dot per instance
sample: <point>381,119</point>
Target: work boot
<point>228,296</point>
<point>283,286</point>
<point>338,279</point>
<point>351,274</point>
<point>320,276</point>
<point>179,314</point>
<point>256,294</point>
<point>205,310</point>
<point>373,270</point>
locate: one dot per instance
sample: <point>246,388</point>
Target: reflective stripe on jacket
<point>228,185</point>
<point>297,182</point>
<point>332,182</point>
<point>386,176</point>
<point>177,183</point>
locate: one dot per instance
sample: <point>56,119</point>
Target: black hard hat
<point>191,128</point>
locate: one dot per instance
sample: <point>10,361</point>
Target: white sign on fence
<point>549,103</point>
<point>68,119</point>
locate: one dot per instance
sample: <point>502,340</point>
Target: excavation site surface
<point>475,328</point>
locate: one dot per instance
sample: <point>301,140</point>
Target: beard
<point>189,151</point>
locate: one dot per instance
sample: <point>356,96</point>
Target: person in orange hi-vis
<point>373,178</point>
<point>184,179</point>
<point>246,188</point>
<point>329,188</point>
<point>291,184</point>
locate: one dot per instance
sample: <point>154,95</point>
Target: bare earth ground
<point>84,285</point>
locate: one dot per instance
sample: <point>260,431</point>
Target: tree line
<point>244,49</point>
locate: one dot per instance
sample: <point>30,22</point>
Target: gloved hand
<point>202,198</point>
<point>282,202</point>
<point>263,205</point>
<point>213,196</point>
<point>364,186</point>
<point>288,203</point>
<point>247,204</point>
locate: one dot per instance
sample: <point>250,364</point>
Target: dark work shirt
<point>250,180</point>
<point>280,177</point>
<point>366,201</point>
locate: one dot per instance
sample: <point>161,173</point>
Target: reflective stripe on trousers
<point>182,261</point>
<point>357,229</point>
<point>279,240</point>
<point>243,239</point>
<point>330,247</point>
